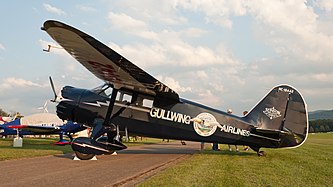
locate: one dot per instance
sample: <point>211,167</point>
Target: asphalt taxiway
<point>129,167</point>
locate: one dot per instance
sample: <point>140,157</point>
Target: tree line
<point>13,114</point>
<point>3,113</point>
<point>321,125</point>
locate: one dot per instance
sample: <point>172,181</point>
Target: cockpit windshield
<point>103,90</point>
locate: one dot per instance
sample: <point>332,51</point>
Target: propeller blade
<point>53,89</point>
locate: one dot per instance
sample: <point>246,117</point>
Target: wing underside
<point>36,129</point>
<point>105,63</point>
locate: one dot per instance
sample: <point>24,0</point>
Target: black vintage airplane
<point>134,99</point>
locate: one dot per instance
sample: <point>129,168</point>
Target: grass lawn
<point>309,165</point>
<point>33,147</point>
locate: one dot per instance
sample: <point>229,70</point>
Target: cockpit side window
<point>108,91</point>
<point>124,96</point>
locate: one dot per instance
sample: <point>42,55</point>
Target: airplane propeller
<point>53,89</point>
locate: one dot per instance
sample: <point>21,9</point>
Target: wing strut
<point>110,108</point>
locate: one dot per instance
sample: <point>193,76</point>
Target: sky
<point>220,53</point>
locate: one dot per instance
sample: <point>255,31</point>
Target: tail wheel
<point>83,156</point>
<point>261,153</point>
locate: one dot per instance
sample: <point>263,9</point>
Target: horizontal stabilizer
<point>271,131</point>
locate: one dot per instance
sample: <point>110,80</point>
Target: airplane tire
<point>83,156</point>
<point>261,153</point>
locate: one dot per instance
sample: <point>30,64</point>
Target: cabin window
<point>148,103</point>
<point>127,98</point>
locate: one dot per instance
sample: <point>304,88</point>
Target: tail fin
<point>281,112</point>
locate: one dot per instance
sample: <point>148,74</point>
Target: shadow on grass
<point>138,143</point>
<point>227,152</point>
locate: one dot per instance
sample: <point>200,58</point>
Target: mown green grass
<point>34,147</point>
<point>309,165</point>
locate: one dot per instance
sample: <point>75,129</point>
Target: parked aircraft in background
<point>4,119</point>
<point>133,99</point>
<point>41,124</point>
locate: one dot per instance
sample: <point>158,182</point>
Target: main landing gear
<point>86,148</point>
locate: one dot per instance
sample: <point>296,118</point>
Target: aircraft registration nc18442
<point>133,99</point>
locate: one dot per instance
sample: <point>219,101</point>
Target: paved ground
<point>128,168</point>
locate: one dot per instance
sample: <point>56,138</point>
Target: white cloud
<point>163,11</point>
<point>293,30</point>
<point>325,4</point>
<point>323,77</point>
<point>2,47</point>
<point>201,75</point>
<point>86,8</point>
<point>176,53</point>
<point>174,84</point>
<point>53,9</point>
<point>293,16</point>
<point>217,12</point>
<point>128,24</point>
<point>301,38</point>
<point>218,87</point>
<point>208,98</point>
<point>13,82</point>
<point>290,27</point>
<point>24,96</point>
<point>193,32</point>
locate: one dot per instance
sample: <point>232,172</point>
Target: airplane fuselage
<point>171,121</point>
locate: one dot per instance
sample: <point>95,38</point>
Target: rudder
<point>282,111</point>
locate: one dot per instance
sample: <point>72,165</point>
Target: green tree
<point>321,125</point>
<point>3,113</point>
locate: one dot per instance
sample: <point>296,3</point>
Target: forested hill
<point>321,121</point>
<point>321,114</point>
